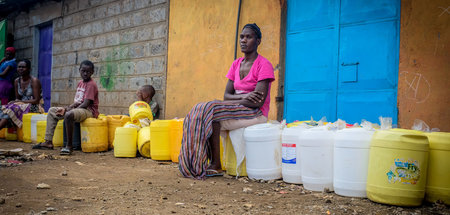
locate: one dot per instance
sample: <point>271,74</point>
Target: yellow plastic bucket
<point>115,121</point>
<point>144,141</point>
<point>20,134</point>
<point>230,160</point>
<point>175,137</point>
<point>26,127</point>
<point>94,135</point>
<point>397,171</point>
<point>139,110</point>
<point>438,181</point>
<point>40,130</point>
<point>3,133</point>
<point>125,142</point>
<point>11,133</point>
<point>58,136</point>
<point>159,138</point>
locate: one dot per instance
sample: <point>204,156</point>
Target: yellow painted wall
<point>201,46</point>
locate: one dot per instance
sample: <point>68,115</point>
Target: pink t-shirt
<point>87,90</point>
<point>261,69</point>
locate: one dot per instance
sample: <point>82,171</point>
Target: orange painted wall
<point>201,48</point>
<point>424,67</point>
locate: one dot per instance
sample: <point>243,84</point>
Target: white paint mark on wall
<point>444,10</point>
<point>418,88</point>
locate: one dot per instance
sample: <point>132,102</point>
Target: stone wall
<point>125,39</point>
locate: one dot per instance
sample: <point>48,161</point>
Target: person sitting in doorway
<point>145,93</point>
<point>85,105</point>
<point>28,96</point>
<point>246,102</point>
<point>8,67</point>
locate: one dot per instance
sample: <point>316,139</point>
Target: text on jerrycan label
<point>289,153</point>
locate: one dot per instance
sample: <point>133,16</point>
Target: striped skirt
<point>197,129</point>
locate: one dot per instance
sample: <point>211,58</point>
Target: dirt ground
<point>99,183</point>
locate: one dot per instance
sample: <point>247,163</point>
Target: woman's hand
<point>254,96</point>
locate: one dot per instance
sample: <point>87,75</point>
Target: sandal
<point>65,151</point>
<point>213,173</point>
<point>41,146</point>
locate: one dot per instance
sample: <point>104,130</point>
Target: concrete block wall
<point>125,39</point>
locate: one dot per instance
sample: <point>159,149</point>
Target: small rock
<point>271,181</point>
<point>327,201</point>
<point>30,212</point>
<point>247,190</point>
<point>64,173</point>
<point>270,207</point>
<point>77,199</point>
<point>18,205</point>
<point>2,201</point>
<point>43,212</point>
<point>47,205</point>
<point>248,205</point>
<point>200,206</point>
<point>326,190</point>
<point>51,209</point>
<point>43,186</point>
<point>79,163</point>
<point>174,212</point>
<point>179,203</point>
<point>279,182</point>
<point>10,194</point>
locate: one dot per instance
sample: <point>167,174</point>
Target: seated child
<point>145,93</point>
<point>85,105</point>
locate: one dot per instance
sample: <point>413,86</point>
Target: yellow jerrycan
<point>438,181</point>
<point>159,138</point>
<point>175,137</point>
<point>94,135</point>
<point>125,142</point>
<point>3,133</point>
<point>397,171</point>
<point>139,110</point>
<point>115,121</point>
<point>41,126</point>
<point>11,133</point>
<point>230,160</point>
<point>144,141</point>
<point>58,136</point>
<point>26,127</point>
<point>20,134</point>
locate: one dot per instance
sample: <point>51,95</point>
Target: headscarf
<point>255,28</point>
<point>12,50</point>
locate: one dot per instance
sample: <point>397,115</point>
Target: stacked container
<point>263,151</point>
<point>351,159</point>
<point>316,158</point>
<point>125,142</point>
<point>115,121</point>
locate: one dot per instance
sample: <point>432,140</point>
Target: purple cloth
<point>5,89</point>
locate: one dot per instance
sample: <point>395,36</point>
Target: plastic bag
<point>368,125</point>
<point>420,125</point>
<point>385,123</point>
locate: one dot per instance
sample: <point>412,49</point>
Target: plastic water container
<point>125,142</point>
<point>94,135</point>
<point>159,138</point>
<point>438,181</point>
<point>20,133</point>
<point>34,120</point>
<point>115,121</point>
<point>316,158</point>
<point>290,155</point>
<point>144,141</point>
<point>26,127</point>
<point>263,151</point>
<point>139,110</point>
<point>351,159</point>
<point>76,136</point>
<point>40,130</point>
<point>2,133</point>
<point>175,137</point>
<point>230,160</point>
<point>397,172</point>
<point>11,133</point>
<point>58,135</point>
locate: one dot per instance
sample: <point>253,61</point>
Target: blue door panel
<point>45,63</point>
<point>304,105</point>
<point>368,105</point>
<point>309,61</point>
<point>367,56</point>
<point>310,14</point>
<point>362,11</point>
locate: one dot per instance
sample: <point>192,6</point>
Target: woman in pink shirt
<point>247,100</point>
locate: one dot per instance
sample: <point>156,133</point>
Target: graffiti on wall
<point>418,88</point>
<point>110,75</point>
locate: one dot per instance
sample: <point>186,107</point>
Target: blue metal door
<point>342,59</point>
<point>45,63</point>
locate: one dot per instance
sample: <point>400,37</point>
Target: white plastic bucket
<point>316,158</point>
<point>290,155</point>
<point>263,151</point>
<point>34,120</point>
<point>351,161</point>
